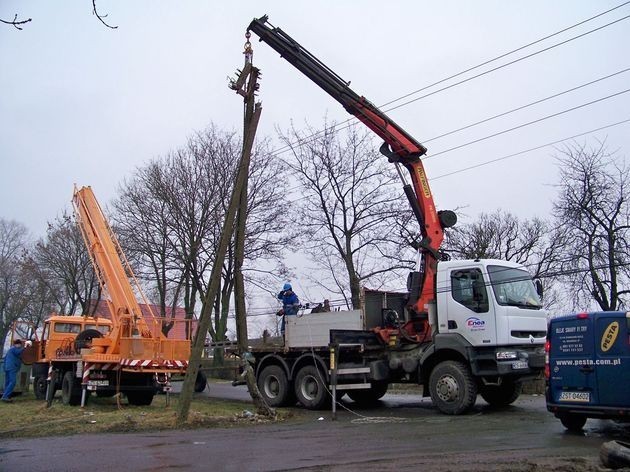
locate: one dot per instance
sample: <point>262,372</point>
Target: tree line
<point>332,199</point>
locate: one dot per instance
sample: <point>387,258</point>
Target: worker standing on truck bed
<point>290,304</point>
<point>12,364</point>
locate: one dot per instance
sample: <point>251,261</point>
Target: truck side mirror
<point>539,288</point>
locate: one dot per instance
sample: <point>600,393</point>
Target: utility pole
<point>246,85</point>
<point>248,75</point>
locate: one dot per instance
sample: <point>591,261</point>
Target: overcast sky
<point>81,103</point>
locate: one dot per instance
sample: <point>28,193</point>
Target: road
<point>404,433</point>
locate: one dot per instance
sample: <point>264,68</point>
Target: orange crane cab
<point>127,354</point>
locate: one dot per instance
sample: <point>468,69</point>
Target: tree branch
<point>15,22</point>
<point>100,17</point>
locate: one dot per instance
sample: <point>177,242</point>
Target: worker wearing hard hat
<point>290,304</point>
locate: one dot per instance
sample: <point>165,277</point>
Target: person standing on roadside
<point>12,365</point>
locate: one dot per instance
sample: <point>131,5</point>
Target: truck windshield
<point>513,287</point>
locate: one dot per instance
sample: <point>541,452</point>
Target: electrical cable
<point>552,143</point>
<point>526,106</point>
<point>352,121</point>
<point>523,125</point>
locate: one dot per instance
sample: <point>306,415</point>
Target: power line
<point>553,115</point>
<point>352,120</point>
<point>531,149</point>
<point>573,89</point>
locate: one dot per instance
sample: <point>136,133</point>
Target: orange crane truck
<point>128,354</point>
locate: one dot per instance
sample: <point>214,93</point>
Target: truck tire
<point>274,386</point>
<point>573,422</point>
<point>140,397</point>
<point>70,389</point>
<point>501,395</point>
<point>615,454</point>
<point>369,396</point>
<point>310,388</point>
<point>84,339</point>
<point>40,385</point>
<point>200,382</point>
<point>452,387</point>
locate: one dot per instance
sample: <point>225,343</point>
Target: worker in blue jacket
<point>12,365</point>
<point>290,304</point>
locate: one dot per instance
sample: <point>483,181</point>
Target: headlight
<point>505,355</point>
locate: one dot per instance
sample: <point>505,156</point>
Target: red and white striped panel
<point>144,363</point>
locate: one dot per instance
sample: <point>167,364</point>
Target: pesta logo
<point>475,324</point>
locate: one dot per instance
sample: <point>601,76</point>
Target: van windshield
<point>513,287</point>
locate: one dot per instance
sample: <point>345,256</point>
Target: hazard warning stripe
<point>165,363</point>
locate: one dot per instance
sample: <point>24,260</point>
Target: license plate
<point>520,365</point>
<point>584,397</point>
<point>98,383</point>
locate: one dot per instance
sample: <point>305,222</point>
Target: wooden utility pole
<point>252,116</point>
<point>249,77</point>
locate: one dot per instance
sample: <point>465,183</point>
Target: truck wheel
<point>84,339</point>
<point>615,454</point>
<point>139,397</point>
<point>310,388</point>
<point>40,385</point>
<point>274,386</point>
<point>369,396</point>
<point>200,382</point>
<point>70,389</point>
<point>452,388</point>
<point>573,423</point>
<point>501,395</point>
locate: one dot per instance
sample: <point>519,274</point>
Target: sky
<point>82,103</point>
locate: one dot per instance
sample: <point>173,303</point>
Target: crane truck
<point>465,327</point>
<point>127,354</point>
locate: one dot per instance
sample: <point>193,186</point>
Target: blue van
<point>588,367</point>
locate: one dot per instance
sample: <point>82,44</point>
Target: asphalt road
<point>404,433</point>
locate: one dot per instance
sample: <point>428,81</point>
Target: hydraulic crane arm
<point>107,258</point>
<point>399,147</point>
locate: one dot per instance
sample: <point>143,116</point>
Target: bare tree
<point>346,215</point>
<point>61,263</point>
<point>142,222</point>
<point>502,235</point>
<point>593,217</point>
<point>190,189</point>
<point>13,243</point>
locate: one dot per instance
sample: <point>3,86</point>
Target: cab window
<point>104,329</point>
<point>67,328</point>
<point>469,289</point>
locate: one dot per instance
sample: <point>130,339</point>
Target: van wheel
<point>310,388</point>
<point>573,423</point>
<point>501,395</point>
<point>274,386</point>
<point>453,390</point>
<point>70,389</point>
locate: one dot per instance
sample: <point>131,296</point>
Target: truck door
<point>612,347</point>
<point>469,309</point>
<point>572,376</point>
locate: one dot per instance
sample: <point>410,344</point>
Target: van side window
<point>469,289</point>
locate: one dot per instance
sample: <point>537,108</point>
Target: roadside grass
<point>29,417</point>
